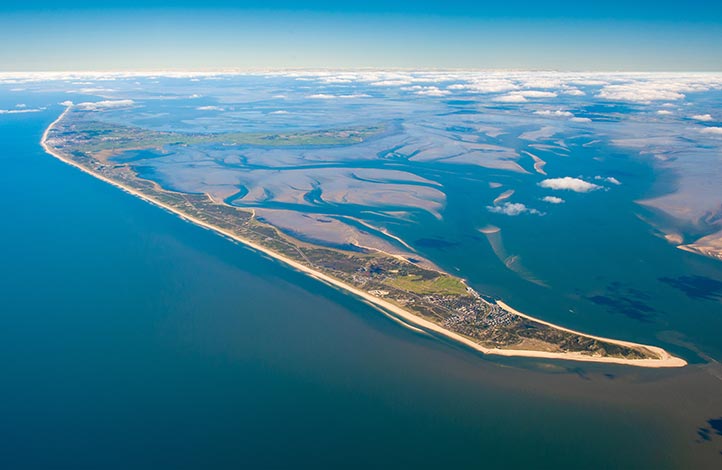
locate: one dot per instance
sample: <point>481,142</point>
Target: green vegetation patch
<point>445,285</point>
<point>94,136</point>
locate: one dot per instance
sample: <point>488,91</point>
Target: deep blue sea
<point>132,339</point>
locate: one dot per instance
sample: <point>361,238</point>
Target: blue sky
<point>562,35</point>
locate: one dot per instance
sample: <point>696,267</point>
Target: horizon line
<point>253,70</point>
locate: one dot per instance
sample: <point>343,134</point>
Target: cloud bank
<point>712,130</point>
<point>556,113</point>
<point>108,104</point>
<point>326,96</point>
<point>21,110</point>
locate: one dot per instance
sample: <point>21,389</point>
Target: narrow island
<point>417,294</point>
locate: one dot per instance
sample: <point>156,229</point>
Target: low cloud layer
<point>608,179</point>
<point>644,92</point>
<point>658,88</point>
<point>522,95</point>
<point>511,98</point>
<point>326,96</point>
<point>555,113</point>
<point>108,104</point>
<point>21,110</point>
<point>712,130</point>
<point>702,117</point>
<point>553,200</point>
<point>569,184</point>
<point>429,91</point>
<point>513,209</point>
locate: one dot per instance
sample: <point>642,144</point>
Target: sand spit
<point>504,196</point>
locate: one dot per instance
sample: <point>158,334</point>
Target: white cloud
<point>511,98</point>
<point>66,103</point>
<point>589,82</point>
<point>580,119</point>
<point>280,111</point>
<point>92,90</point>
<point>432,91</point>
<point>486,85</point>
<point>537,94</point>
<point>512,209</point>
<point>557,113</point>
<point>702,117</point>
<point>608,179</point>
<point>665,112</point>
<point>712,130</point>
<point>522,95</point>
<point>641,92</point>
<point>397,82</point>
<point>664,87</point>
<point>20,111</point>
<point>541,80</point>
<point>21,105</point>
<point>108,104</point>
<point>332,80</point>
<point>569,184</point>
<point>553,200</point>
<point>210,108</point>
<point>573,92</point>
<point>326,96</point>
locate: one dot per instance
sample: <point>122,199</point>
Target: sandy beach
<point>405,317</point>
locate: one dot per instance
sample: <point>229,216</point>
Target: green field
<point>445,285</point>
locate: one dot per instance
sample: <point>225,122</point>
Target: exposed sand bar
<point>503,196</point>
<point>538,163</point>
<point>710,246</point>
<point>666,360</point>
<point>385,232</point>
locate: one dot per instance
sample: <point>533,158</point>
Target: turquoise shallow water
<point>130,338</point>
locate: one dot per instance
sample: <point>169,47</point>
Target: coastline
<point>404,317</point>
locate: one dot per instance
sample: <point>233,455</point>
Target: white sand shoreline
<point>386,307</point>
